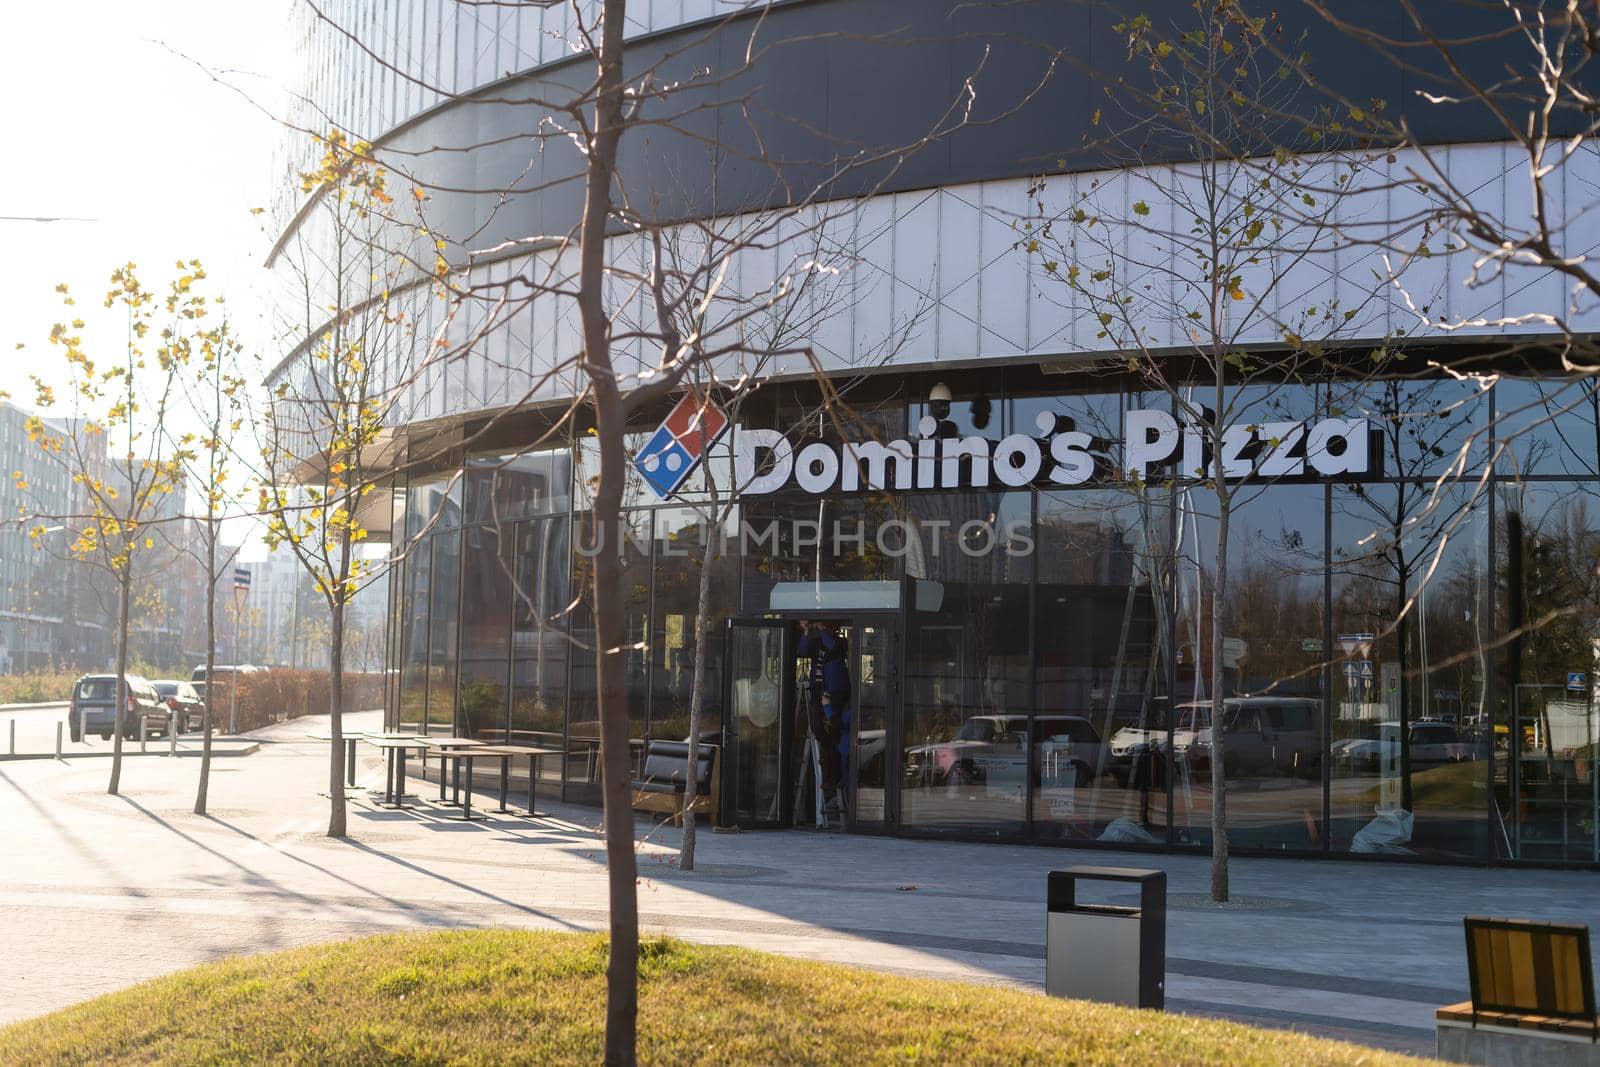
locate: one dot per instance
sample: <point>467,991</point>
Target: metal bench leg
<point>400,780</point>
<point>533,778</point>
<point>444,762</point>
<point>505,783</point>
<point>466,801</point>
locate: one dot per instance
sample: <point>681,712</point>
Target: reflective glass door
<point>869,757</point>
<point>1553,747</point>
<point>758,726</point>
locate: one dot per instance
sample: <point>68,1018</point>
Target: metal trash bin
<point>1106,952</point>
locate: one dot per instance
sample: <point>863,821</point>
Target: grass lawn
<point>501,996</point>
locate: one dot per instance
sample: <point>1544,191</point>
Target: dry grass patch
<point>503,996</point>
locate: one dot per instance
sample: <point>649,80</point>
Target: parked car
<point>184,702</point>
<point>1432,743</point>
<point>93,708</point>
<point>1267,736</point>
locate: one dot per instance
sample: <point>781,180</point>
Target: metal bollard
<point>13,737</point>
<point>83,725</point>
<point>172,734</point>
<point>141,734</point>
<point>58,740</point>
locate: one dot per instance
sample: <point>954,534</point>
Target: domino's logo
<point>682,441</point>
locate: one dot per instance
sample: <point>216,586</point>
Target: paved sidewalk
<point>98,892</point>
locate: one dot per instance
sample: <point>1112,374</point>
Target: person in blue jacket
<point>828,702</point>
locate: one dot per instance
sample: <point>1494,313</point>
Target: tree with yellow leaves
<point>323,429</point>
<point>114,449</point>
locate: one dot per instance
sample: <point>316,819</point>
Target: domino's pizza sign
<point>682,441</point>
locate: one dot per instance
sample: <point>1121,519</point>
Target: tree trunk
<point>211,662</point>
<point>336,812</point>
<point>610,414</point>
<point>696,700</point>
<point>1219,780</point>
<point>119,716</point>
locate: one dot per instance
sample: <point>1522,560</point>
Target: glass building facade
<point>1407,656</point>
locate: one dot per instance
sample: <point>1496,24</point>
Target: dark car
<point>94,707</point>
<point>184,702</point>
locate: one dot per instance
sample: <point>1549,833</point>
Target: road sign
<point>1356,644</point>
<point>1311,644</point>
<point>1577,681</point>
<point>241,578</point>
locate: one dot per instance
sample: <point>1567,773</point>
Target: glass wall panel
<point>583,723</point>
<point>965,699</point>
<point>1424,426</point>
<point>1271,665</point>
<point>681,539</point>
<point>414,628</point>
<point>444,608</point>
<point>1409,622</point>
<point>433,503</point>
<point>1100,710</point>
<point>539,641</point>
<point>485,633</point>
<point>832,553</point>
<point>1546,739</point>
<point>515,485</point>
<point>1548,426</point>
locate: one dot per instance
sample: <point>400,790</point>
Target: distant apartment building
<point>49,614</point>
<point>284,621</point>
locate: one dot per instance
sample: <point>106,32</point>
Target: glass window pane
<point>676,629</point>
<point>1546,739</point>
<point>444,618</point>
<point>485,633</point>
<point>966,701</point>
<point>583,725</point>
<point>1410,646</point>
<point>1548,426</point>
<point>539,640</point>
<point>1271,665</point>
<point>414,625</point>
<point>1100,724</point>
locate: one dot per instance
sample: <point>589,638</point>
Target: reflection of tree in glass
<point>1425,426</point>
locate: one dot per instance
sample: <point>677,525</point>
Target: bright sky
<point>106,115</point>
<point>104,118</point>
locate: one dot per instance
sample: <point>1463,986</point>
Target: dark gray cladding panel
<point>852,80</point>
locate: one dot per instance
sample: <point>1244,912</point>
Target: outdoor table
<point>446,747</point>
<point>533,752</point>
<point>394,750</point>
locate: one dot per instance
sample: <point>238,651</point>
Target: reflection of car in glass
<point>1431,744</point>
<point>1070,741</point>
<point>989,747</point>
<point>1263,736</point>
<point>1145,737</point>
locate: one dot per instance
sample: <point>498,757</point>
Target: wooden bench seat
<point>1551,1024</point>
<point>662,780</point>
<point>1533,998</point>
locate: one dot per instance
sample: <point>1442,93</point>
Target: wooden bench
<point>1532,986</point>
<point>660,786</point>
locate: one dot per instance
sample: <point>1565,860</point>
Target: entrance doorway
<point>770,775</point>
